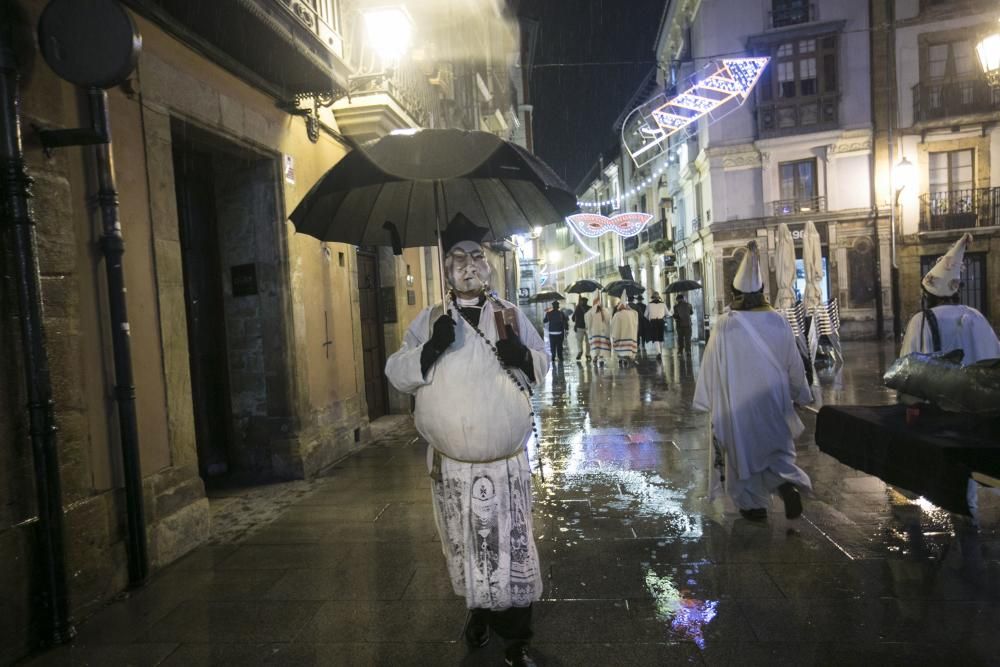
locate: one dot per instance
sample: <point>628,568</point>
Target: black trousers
<point>683,336</point>
<point>556,346</point>
<point>512,624</point>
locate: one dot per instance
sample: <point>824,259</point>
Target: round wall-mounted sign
<point>89,42</point>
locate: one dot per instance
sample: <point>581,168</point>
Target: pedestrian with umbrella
<point>469,360</point>
<point>598,321</point>
<point>624,333</point>
<point>580,328</point>
<point>657,312</point>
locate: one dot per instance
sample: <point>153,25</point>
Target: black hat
<point>461,229</point>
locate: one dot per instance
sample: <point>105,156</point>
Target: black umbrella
<point>681,286</point>
<point>543,297</point>
<point>584,286</point>
<point>619,287</point>
<point>401,189</point>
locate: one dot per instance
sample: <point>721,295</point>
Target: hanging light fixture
<point>988,50</point>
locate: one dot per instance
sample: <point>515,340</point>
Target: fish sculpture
<point>942,380</point>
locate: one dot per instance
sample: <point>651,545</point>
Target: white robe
<point>748,385</point>
<point>599,329</point>
<point>960,327</point>
<point>471,412</point>
<point>625,332</point>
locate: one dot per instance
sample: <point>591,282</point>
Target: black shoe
<point>477,629</point>
<point>518,656</point>
<point>755,514</point>
<point>578,357</point>
<point>793,501</point>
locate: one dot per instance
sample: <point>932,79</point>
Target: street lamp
<point>988,50</point>
<point>554,256</point>
<point>389,31</point>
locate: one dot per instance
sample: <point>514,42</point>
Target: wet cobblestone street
<point>640,567</point>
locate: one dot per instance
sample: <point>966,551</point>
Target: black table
<point>932,457</point>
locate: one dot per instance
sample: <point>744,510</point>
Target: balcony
<point>606,267</point>
<point>785,207</point>
<point>960,209</point>
<point>791,13</point>
<point>283,46</point>
<point>794,115</point>
<point>947,99</point>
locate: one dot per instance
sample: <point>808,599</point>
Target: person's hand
<point>443,334</point>
<point>511,350</point>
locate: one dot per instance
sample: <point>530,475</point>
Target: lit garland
<point>544,273</point>
<point>593,225</point>
<point>649,126</point>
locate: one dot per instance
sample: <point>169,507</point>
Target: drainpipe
<point>112,246</point>
<point>19,237</point>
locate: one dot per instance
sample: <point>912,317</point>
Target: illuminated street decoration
<point>647,128</point>
<point>593,225</point>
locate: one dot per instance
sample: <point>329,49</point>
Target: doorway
<point>204,305</point>
<point>237,299</point>
<point>372,335</point>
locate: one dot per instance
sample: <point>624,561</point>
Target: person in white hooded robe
<point>625,333</point>
<point>470,363</point>
<point>751,377</point>
<point>598,320</point>
<point>944,324</point>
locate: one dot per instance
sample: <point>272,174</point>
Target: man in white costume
<point>657,313</point>
<point>598,321</point>
<point>945,325</point>
<point>751,376</point>
<point>625,333</point>
<point>469,363</point>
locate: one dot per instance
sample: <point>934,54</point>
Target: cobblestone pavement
<point>640,568</point>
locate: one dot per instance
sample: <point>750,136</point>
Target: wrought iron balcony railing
<point>409,86</point>
<point>798,206</point>
<point>946,99</point>
<point>606,267</point>
<point>792,12</point>
<point>320,18</point>
<point>960,209</point>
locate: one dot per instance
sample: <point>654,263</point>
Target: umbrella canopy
<point>812,258</point>
<point>584,286</point>
<point>543,297</point>
<point>679,286</point>
<point>784,267</point>
<point>401,189</point>
<point>620,287</point>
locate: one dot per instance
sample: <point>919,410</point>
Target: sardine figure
<point>942,380</point>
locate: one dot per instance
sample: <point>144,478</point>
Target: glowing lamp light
<point>389,31</point>
<point>988,50</point>
<point>554,256</point>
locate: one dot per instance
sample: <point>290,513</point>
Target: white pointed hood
<point>945,276</point>
<point>748,278</point>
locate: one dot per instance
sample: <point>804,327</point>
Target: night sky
<point>575,106</point>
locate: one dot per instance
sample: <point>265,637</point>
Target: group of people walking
<point>470,363</point>
<point>623,331</point>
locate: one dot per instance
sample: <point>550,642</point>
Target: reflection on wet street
<point>869,574</point>
<point>640,568</point>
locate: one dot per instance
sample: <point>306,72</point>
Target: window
<point>801,68</point>
<point>798,180</point>
<point>950,171</point>
<point>949,60</point>
<point>789,12</point>
<point>699,201</point>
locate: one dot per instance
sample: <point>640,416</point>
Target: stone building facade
<point>258,352</point>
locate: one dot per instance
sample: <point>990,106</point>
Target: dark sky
<point>576,105</point>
